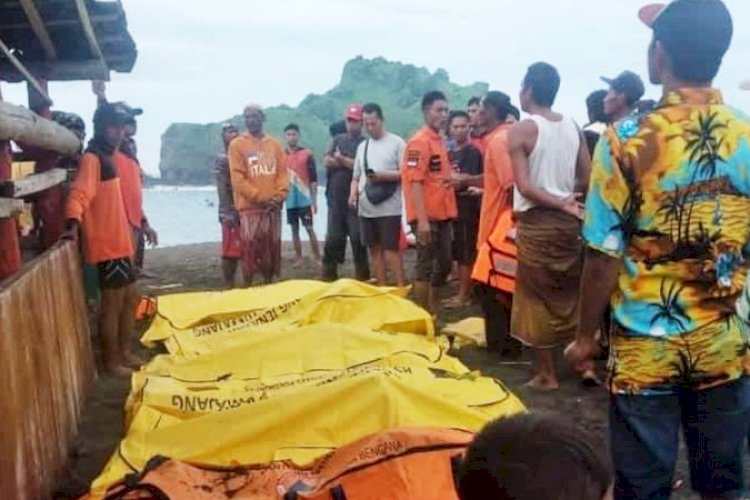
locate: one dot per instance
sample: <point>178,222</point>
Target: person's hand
<point>456,180</point>
<point>99,87</point>
<point>151,236</point>
<point>581,353</point>
<point>314,208</point>
<point>353,200</point>
<point>275,203</point>
<point>71,230</point>
<point>329,161</point>
<point>423,232</point>
<point>374,176</point>
<point>573,205</point>
<point>338,156</point>
<point>70,234</point>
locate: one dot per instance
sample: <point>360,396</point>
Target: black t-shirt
<point>468,160</point>
<point>339,179</point>
<point>592,138</point>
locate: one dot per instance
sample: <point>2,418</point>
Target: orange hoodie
<point>258,171</point>
<point>131,186</point>
<point>95,200</point>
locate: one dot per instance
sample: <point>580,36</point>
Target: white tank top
<point>552,163</point>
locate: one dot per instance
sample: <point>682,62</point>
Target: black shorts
<point>116,273</point>
<point>296,215</point>
<point>465,232</point>
<point>434,260</point>
<point>384,232</point>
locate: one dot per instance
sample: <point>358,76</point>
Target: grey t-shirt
<point>383,155</point>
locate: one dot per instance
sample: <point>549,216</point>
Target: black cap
<point>128,109</point>
<point>691,26</point>
<point>629,84</point>
<point>109,114</point>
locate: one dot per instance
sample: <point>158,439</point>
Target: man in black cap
<point>95,206</point>
<point>667,226</point>
<point>624,93</point>
<point>142,230</point>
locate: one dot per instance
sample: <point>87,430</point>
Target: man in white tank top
<point>551,166</point>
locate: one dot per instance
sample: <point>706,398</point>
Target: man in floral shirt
<point>668,226</point>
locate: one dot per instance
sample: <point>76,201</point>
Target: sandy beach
<point>197,267</point>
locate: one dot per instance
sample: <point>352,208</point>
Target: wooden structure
<point>24,126</point>
<point>46,361</point>
<point>65,39</point>
<point>47,40</point>
<point>46,366</point>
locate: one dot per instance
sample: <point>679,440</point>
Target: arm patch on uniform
<point>436,163</point>
<point>412,158</point>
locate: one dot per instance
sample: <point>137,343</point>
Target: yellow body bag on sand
<point>317,367</point>
<point>305,424</point>
<point>284,309</point>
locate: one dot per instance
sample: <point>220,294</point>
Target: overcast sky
<point>201,62</point>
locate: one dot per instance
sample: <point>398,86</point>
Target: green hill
<point>187,149</point>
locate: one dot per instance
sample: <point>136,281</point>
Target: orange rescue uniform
<point>496,261</point>
<point>131,185</point>
<point>426,162</point>
<point>95,200</point>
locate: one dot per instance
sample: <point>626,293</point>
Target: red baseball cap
<point>354,112</point>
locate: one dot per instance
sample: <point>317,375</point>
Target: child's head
<point>532,457</point>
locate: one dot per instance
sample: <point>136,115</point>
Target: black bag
<point>377,192</point>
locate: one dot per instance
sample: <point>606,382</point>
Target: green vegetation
<point>187,150</point>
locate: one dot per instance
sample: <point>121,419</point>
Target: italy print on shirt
<point>260,163</point>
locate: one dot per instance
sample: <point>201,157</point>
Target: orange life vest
<point>399,464</point>
<point>497,259</point>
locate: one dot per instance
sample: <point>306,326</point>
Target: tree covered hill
<point>187,150</point>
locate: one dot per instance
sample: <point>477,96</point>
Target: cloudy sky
<point>199,64</point>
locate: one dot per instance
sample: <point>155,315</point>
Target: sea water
<point>183,215</point>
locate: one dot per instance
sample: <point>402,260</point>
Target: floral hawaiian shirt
<point>670,197</point>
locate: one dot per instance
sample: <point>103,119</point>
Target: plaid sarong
<point>260,234</point>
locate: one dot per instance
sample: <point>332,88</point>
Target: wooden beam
<point>10,207</point>
<point>94,69</point>
<point>88,29</point>
<point>20,188</point>
<point>37,25</point>
<point>24,126</point>
<point>63,23</point>
<point>22,69</point>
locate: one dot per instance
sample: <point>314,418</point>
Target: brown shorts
<point>434,260</point>
<point>384,232</point>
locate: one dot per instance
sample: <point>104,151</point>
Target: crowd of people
<point>643,248</point>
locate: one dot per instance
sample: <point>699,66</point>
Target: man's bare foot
<point>455,303</point>
<point>118,371</point>
<point>589,378</point>
<point>542,383</point>
<point>130,360</point>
